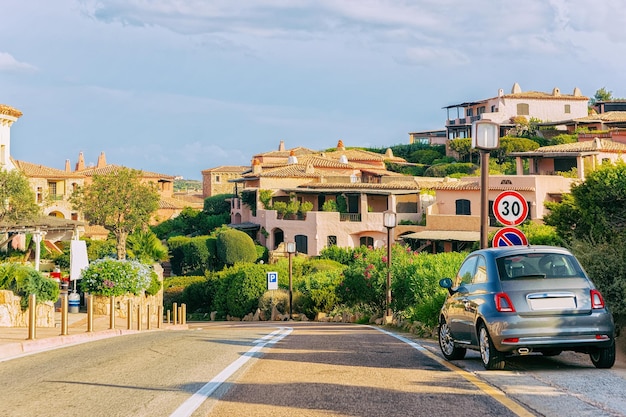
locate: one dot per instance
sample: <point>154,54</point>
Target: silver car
<point>521,299</point>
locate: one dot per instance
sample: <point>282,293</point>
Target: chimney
<point>281,146</point>
<point>256,166</point>
<point>340,146</point>
<point>68,167</point>
<point>102,161</point>
<point>80,165</point>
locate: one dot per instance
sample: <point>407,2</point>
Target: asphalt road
<point>295,369</point>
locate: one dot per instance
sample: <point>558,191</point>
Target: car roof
<point>498,252</point>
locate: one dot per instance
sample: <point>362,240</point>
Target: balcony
<point>350,217</point>
<point>55,197</point>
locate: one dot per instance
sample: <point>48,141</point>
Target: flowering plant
<point>113,277</point>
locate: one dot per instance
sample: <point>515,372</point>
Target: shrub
<point>235,246</point>
<point>155,285</point>
<point>173,288</point>
<point>271,298</point>
<point>24,280</point>
<point>113,277</point>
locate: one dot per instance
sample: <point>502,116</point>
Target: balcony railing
<point>56,197</point>
<point>350,217</point>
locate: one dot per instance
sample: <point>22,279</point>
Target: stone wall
<point>102,306</point>
<point>11,314</point>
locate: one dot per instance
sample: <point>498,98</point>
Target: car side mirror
<point>445,283</point>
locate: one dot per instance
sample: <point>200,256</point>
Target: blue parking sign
<point>272,280</point>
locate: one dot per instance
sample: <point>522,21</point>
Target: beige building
<point>217,181</point>
<point>503,108</point>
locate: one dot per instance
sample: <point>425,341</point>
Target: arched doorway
<point>278,237</point>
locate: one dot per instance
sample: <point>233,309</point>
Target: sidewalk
<point>14,340</point>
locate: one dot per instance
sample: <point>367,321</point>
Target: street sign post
<point>510,208</point>
<point>509,236</point>
<point>272,280</point>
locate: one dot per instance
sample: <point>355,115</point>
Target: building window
<point>493,109</point>
<point>52,189</point>
<point>567,109</point>
<point>463,207</point>
<point>302,244</point>
<point>74,216</point>
<point>470,112</point>
<point>331,241</point>
<point>481,110</point>
<point>366,241</point>
<point>522,109</point>
<point>217,178</point>
<point>39,195</point>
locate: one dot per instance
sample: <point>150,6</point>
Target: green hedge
<point>24,280</point>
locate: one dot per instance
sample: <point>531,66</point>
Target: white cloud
<point>9,63</point>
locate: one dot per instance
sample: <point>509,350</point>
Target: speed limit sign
<point>510,208</point>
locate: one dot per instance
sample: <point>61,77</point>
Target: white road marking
<point>188,407</point>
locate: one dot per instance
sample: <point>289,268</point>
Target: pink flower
<point>384,259</point>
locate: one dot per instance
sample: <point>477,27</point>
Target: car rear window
<point>538,265</point>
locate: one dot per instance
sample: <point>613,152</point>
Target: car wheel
<point>446,344</point>
<point>603,357</point>
<point>492,359</point>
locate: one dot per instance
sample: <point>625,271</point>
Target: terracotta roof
<point>285,154</point>
<point>41,171</point>
<point>321,162</point>
<point>286,171</point>
<point>113,168</point>
<point>595,145</point>
<point>227,168</point>
<point>10,111</point>
<point>355,155</point>
<point>544,96</point>
<point>610,116</point>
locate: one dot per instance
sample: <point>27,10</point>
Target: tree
<point>119,202</point>
<point>597,207</point>
<point>601,95</point>
<point>17,199</point>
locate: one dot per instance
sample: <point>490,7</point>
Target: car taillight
<point>596,299</point>
<point>503,303</point>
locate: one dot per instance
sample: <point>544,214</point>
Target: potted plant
<point>305,207</point>
<point>292,209</point>
<point>281,209</point>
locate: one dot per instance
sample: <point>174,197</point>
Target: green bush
<point>247,284</point>
<point>24,280</point>
<point>278,298</point>
<point>113,277</point>
<point>235,246</point>
<point>155,285</point>
<point>318,291</point>
<point>173,288</point>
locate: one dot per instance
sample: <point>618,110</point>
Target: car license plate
<point>552,303</point>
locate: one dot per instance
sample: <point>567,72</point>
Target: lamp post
<point>291,249</point>
<point>485,136</point>
<point>389,220</point>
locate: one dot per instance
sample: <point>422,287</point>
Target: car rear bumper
<point>556,332</point>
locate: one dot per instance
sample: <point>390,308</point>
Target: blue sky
<point>178,86</point>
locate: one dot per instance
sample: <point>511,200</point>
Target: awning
<point>457,235</point>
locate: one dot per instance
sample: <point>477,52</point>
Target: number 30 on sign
<point>510,208</point>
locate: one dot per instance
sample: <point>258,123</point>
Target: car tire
<point>491,358</point>
<point>603,358</point>
<point>446,344</point>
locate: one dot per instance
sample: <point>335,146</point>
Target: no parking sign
<point>509,236</point>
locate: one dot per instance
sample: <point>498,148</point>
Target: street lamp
<point>485,136</point>
<point>291,249</point>
<point>389,220</point>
